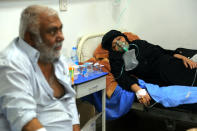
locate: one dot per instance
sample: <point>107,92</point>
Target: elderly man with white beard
<point>36,92</point>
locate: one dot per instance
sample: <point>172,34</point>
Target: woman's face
<point>118,43</point>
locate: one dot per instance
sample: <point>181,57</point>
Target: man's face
<point>51,38</point>
<point>118,47</point>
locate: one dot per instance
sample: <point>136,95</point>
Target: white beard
<point>47,54</point>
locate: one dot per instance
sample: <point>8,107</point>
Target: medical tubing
<point>120,73</point>
<point>136,48</point>
<point>194,78</point>
<point>150,106</point>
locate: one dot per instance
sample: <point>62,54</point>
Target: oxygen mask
<point>122,45</point>
<point>129,56</point>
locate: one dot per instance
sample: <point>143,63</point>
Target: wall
<point>169,23</point>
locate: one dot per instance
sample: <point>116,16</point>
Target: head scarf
<point>109,37</point>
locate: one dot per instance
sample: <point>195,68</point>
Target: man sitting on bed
<point>36,92</point>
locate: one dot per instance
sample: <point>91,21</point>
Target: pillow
<point>100,52</point>
<point>131,37</point>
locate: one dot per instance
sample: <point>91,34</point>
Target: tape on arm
<point>41,129</point>
<point>140,93</point>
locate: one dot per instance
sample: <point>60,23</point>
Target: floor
<point>136,121</point>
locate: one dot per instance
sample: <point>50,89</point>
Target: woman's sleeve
<point>124,79</point>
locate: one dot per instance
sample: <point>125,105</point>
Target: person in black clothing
<point>155,65</point>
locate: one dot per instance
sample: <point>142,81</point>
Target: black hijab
<point>109,37</point>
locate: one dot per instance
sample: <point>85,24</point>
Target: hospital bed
<point>184,113</point>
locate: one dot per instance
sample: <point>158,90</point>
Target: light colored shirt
<point>25,94</point>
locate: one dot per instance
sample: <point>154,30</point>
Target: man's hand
<point>32,125</point>
<point>76,127</point>
<point>186,61</point>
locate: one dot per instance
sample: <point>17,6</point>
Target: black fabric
<point>186,52</point>
<point>117,69</point>
<point>156,65</point>
<point>108,38</point>
<point>174,72</point>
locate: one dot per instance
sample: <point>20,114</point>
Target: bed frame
<point>85,48</point>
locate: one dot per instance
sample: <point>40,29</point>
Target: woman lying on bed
<point>119,100</point>
<point>148,62</point>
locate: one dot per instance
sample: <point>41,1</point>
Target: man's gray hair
<point>30,19</point>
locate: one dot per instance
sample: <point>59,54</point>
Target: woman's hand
<point>186,61</point>
<point>142,95</point>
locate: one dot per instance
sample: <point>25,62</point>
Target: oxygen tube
<point>194,78</point>
<point>121,45</point>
